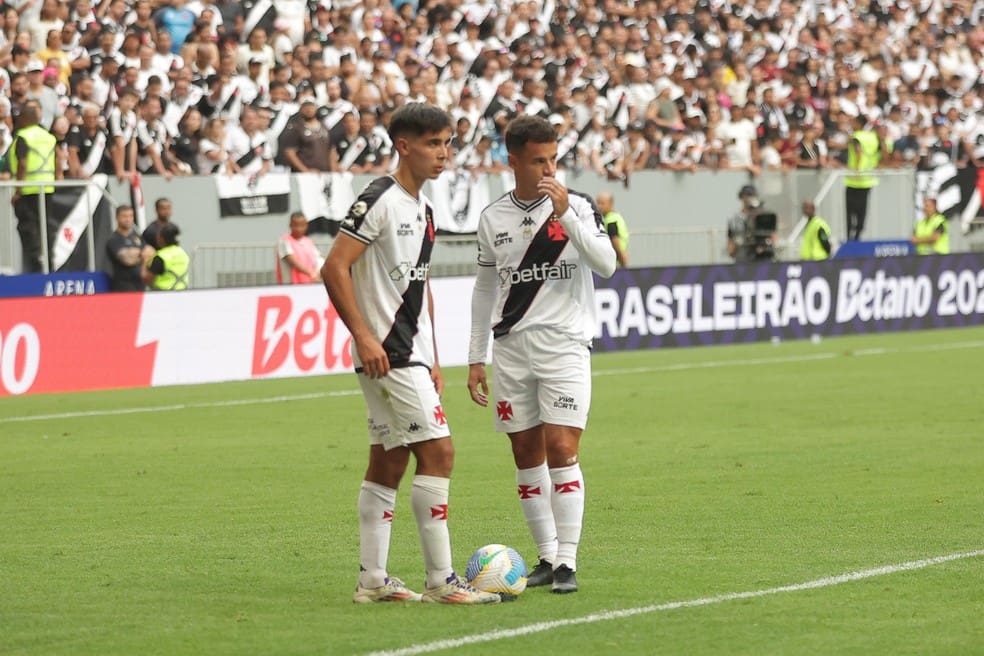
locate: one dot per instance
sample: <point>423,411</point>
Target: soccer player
<point>377,278</point>
<point>537,247</point>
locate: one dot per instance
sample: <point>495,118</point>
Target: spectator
<point>247,145</point>
<point>164,210</point>
<point>186,145</point>
<point>212,155</point>
<point>122,125</point>
<point>124,249</point>
<point>304,143</point>
<point>167,268</point>
<point>298,259</point>
<point>616,227</point>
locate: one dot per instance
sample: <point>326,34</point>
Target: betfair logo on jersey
<point>563,270</point>
<point>405,230</point>
<point>406,271</point>
<point>502,238</point>
<point>565,402</point>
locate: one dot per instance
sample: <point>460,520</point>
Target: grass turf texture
<point>233,530</point>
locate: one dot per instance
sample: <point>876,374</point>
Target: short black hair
<point>169,233</point>
<point>123,208</point>
<point>529,128</point>
<point>416,119</point>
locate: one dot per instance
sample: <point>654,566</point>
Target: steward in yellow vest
<point>816,236</point>
<point>615,226</point>
<point>864,155</point>
<point>33,160</point>
<point>932,232</point>
<point>168,270</point>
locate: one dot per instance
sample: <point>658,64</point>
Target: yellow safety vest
<point>870,157</point>
<point>40,160</point>
<point>621,226</point>
<point>175,276</point>
<point>812,249</point>
<point>925,227</point>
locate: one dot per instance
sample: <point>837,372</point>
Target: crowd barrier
<point>75,343</point>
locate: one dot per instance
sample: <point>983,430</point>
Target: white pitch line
<point>177,406</point>
<point>685,366</point>
<point>540,627</point>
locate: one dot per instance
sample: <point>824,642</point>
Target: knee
<point>562,454</point>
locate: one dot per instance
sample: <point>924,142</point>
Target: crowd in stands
<point>175,88</point>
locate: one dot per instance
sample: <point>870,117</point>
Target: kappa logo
<point>413,427</point>
<point>565,402</point>
<point>405,271</point>
<point>527,222</point>
<point>504,410</point>
<point>502,238</point>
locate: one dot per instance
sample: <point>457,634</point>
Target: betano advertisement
<point>135,340</point>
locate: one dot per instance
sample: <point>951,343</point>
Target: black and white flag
<point>325,199</point>
<point>243,195</point>
<point>73,213</point>
<point>958,193</point>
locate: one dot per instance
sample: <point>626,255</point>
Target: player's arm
<point>337,276</point>
<point>483,300</point>
<point>436,376</point>
<point>584,226</point>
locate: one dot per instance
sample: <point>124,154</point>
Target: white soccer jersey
<point>390,277</point>
<point>543,266</point>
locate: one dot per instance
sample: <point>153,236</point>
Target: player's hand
<point>375,362</point>
<point>478,386</point>
<point>437,377</point>
<point>558,194</point>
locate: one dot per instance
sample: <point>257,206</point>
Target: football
<point>497,568</point>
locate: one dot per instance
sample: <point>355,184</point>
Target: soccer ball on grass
<point>497,568</point>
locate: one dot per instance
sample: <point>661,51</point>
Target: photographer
<point>751,232</point>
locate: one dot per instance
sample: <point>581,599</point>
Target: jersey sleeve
<point>367,216</point>
<point>585,228</point>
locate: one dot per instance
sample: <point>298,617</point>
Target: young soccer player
<point>377,277</point>
<point>537,247</point>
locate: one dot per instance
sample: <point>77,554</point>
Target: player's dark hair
<point>526,129</point>
<point>416,119</point>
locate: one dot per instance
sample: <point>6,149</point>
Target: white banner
<point>250,195</point>
<point>325,195</point>
<point>273,332</point>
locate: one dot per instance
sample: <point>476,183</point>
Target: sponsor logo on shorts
<point>439,416</point>
<point>565,402</point>
<point>504,410</point>
<point>380,430</point>
<point>563,270</point>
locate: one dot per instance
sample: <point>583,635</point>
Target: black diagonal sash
<point>399,342</point>
<point>543,250</point>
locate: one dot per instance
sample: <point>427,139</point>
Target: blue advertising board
<point>72,283</point>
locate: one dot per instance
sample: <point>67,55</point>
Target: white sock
<point>429,497</point>
<point>376,505</point>
<point>534,488</point>
<point>567,499</point>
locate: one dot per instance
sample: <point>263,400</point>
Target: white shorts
<point>403,408</point>
<point>540,377</point>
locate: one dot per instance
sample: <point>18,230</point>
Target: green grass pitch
<point>218,520</point>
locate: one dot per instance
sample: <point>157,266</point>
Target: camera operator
<point>751,231</point>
